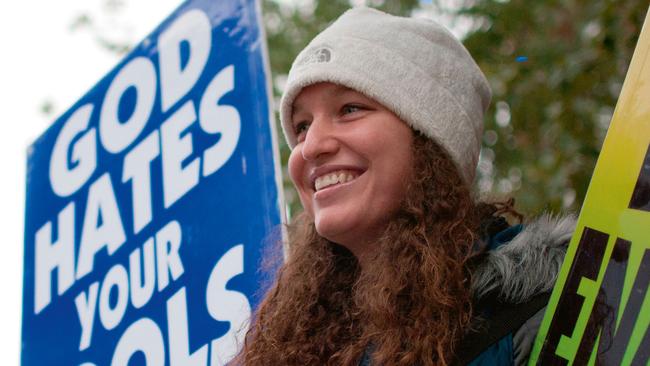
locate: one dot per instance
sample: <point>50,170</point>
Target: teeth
<point>327,180</point>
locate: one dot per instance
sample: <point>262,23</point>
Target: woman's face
<point>351,163</point>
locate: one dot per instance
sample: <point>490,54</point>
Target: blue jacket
<point>517,273</point>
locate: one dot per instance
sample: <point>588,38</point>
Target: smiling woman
<point>393,261</point>
<point>351,163</point>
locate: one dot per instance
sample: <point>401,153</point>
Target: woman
<point>392,261</point>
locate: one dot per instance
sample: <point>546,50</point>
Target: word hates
<point>74,155</point>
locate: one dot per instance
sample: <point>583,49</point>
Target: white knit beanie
<point>414,67</point>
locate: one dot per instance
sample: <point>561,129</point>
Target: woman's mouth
<point>334,178</point>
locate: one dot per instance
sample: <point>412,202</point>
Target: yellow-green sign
<point>599,311</point>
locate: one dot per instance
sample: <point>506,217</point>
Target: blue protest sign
<point>150,199</point>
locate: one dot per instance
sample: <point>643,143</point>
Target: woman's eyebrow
<point>341,90</point>
<point>337,91</point>
<point>297,108</point>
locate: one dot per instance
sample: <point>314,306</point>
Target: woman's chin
<point>329,230</point>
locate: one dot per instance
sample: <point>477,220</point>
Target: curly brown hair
<point>409,305</point>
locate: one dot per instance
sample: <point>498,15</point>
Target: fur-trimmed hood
<point>529,263</point>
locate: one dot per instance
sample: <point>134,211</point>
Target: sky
<point>44,59</point>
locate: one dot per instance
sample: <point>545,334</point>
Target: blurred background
<point>556,69</point>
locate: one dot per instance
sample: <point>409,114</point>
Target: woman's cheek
<point>296,166</point>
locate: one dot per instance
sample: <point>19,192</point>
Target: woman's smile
<point>336,185</point>
<point>335,178</point>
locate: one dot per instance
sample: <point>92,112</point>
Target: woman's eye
<point>350,108</point>
<point>301,128</point>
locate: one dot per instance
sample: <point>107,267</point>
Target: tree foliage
<point>556,69</point>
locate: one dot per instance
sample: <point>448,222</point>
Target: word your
<point>140,281</point>
<point>144,335</point>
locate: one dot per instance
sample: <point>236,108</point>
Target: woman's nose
<point>320,140</point>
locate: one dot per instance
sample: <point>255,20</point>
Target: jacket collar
<point>527,263</point>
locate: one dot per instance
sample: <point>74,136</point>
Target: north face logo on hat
<point>319,55</point>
